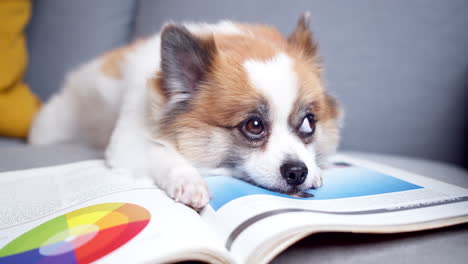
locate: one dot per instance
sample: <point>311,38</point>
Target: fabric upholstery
<point>445,245</point>
<point>399,67</point>
<point>17,104</point>
<point>63,34</point>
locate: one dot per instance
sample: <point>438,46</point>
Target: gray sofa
<point>400,69</point>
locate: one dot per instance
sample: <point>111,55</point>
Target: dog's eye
<point>307,127</point>
<point>253,128</point>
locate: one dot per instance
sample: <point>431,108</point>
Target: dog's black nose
<point>295,172</point>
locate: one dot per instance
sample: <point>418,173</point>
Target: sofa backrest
<point>62,34</point>
<point>400,68</point>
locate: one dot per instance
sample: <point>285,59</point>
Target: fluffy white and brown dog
<point>226,98</point>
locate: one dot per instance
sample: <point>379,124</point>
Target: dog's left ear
<point>301,37</point>
<point>185,60</point>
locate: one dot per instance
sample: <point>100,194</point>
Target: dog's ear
<point>302,38</point>
<point>185,60</point>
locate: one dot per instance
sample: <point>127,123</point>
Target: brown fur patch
<point>156,84</point>
<point>226,98</point>
<point>264,33</point>
<point>111,60</point>
<point>310,87</point>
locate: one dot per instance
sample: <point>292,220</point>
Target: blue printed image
<point>343,182</point>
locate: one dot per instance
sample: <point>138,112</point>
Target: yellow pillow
<point>17,103</point>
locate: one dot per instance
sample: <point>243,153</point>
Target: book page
<point>357,196</point>
<point>87,212</point>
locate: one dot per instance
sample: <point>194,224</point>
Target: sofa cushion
<point>17,104</point>
<point>428,246</point>
<point>17,155</point>
<point>65,33</point>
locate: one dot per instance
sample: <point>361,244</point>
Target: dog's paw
<point>188,187</point>
<point>317,181</point>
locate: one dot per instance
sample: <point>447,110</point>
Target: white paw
<point>188,187</point>
<point>317,181</point>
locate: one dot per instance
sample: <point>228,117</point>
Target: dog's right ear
<point>185,60</point>
<point>301,37</point>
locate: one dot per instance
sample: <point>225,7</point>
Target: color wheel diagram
<point>81,236</point>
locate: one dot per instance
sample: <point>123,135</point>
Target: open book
<point>85,212</point>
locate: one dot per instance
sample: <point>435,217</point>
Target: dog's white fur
<point>92,107</point>
<point>112,113</point>
<point>282,92</point>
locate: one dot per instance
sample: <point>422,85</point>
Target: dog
<point>197,99</point>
